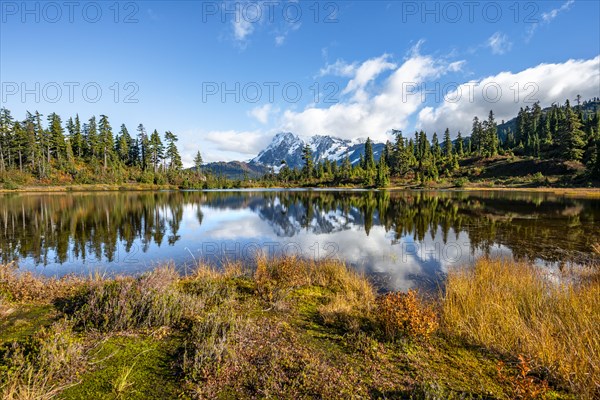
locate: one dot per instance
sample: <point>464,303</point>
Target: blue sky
<point>362,67</point>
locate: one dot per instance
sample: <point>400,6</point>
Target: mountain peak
<point>287,147</point>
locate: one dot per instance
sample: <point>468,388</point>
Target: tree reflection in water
<point>77,227</point>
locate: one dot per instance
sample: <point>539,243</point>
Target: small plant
<point>10,185</point>
<point>122,383</point>
<point>402,314</point>
<point>461,182</point>
<point>524,386</point>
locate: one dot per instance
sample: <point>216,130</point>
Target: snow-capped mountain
<point>287,147</point>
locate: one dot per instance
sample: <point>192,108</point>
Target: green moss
<point>22,321</point>
<point>150,362</point>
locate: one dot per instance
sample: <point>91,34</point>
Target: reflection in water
<point>400,239</point>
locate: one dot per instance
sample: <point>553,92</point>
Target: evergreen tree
<point>447,144</point>
<point>320,170</point>
<point>536,122</point>
<point>75,136</point>
<point>436,149</point>
<point>477,136</point>
<point>155,150</point>
<point>134,152</point>
<point>571,136</point>
<point>308,161</point>
<point>369,157</point>
<point>124,144</point>
<point>510,139</point>
<point>383,175</point>
<point>346,167</point>
<point>491,135</point>
<point>596,165</point>
<point>32,153</point>
<point>20,144</point>
<point>144,143</point>
<point>6,138</point>
<point>198,163</point>
<point>42,137</point>
<point>91,136</point>
<point>56,138</point>
<point>105,140</point>
<point>399,152</point>
<point>172,153</point>
<point>459,145</point>
<point>388,153</point>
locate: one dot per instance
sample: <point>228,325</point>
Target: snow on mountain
<point>287,147</point>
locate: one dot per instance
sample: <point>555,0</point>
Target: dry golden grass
<point>27,287</point>
<point>292,272</point>
<point>352,298</point>
<point>512,308</point>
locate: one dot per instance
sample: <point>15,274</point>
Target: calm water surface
<point>400,239</point>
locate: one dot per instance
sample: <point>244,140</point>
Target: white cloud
<point>366,73</point>
<point>548,17</point>
<point>339,68</point>
<point>499,43</point>
<point>262,113</point>
<point>279,40</point>
<point>391,98</point>
<point>284,30</point>
<point>248,17</point>
<point>226,145</point>
<point>371,111</point>
<point>245,142</point>
<point>547,83</point>
<point>242,28</point>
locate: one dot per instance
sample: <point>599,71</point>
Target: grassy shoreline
<point>291,328</point>
<point>98,187</point>
<point>565,191</point>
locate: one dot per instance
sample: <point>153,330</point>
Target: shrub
<point>147,177</point>
<point>403,314</point>
<point>10,185</point>
<point>461,182</point>
<point>523,385</point>
<point>152,300</point>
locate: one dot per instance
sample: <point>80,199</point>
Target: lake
<point>400,239</point>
